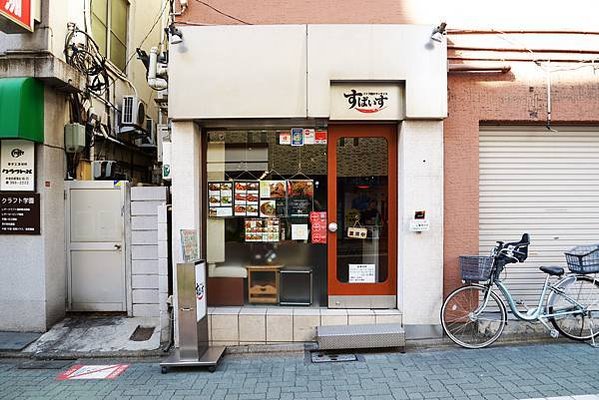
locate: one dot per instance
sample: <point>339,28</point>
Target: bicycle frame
<point>540,311</point>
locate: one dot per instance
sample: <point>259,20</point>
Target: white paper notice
<point>299,231</point>
<point>362,273</point>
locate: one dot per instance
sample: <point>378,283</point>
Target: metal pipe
<point>512,50</point>
<point>565,60</point>
<point>154,82</point>
<point>518,32</point>
<point>479,68</point>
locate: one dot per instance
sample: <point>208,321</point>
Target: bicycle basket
<point>476,268</point>
<point>583,259</point>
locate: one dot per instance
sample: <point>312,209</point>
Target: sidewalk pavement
<point>499,372</point>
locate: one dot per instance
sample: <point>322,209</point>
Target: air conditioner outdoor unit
<point>133,112</point>
<point>149,137</point>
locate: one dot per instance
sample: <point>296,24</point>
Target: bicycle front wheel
<point>577,307</point>
<point>470,324</point>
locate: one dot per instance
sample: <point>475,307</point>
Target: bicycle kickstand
<point>593,343</point>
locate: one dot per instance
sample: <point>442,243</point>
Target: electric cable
<point>223,13</point>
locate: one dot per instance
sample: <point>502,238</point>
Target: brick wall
<point>515,98</point>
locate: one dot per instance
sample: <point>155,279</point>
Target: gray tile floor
<point>515,372</point>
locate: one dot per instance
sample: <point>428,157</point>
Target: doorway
<point>96,253</point>
<point>362,216</point>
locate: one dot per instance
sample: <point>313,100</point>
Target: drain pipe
<point>548,125</point>
<point>153,81</point>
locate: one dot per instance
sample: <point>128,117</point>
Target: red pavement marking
<point>71,372</point>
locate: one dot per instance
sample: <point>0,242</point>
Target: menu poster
<point>309,136</point>
<point>247,194</point>
<point>273,198</point>
<point>262,229</point>
<point>189,245</point>
<point>285,138</point>
<point>300,193</point>
<point>320,137</point>
<point>318,220</point>
<point>297,137</point>
<point>220,199</point>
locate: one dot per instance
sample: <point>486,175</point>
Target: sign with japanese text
<point>17,166</point>
<point>367,101</point>
<point>362,273</point>
<point>19,213</point>
<point>17,12</point>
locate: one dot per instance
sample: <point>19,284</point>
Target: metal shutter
<point>544,183</point>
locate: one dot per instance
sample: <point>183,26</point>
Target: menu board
<point>318,220</point>
<point>273,198</point>
<point>300,193</point>
<point>246,200</point>
<point>262,229</point>
<point>220,199</point>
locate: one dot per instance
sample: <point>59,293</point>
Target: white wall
<point>420,255</point>
<point>33,268</point>
<point>285,70</point>
<point>186,189</point>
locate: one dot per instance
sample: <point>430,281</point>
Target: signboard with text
<point>16,15</point>
<point>17,166</point>
<point>19,213</point>
<point>367,101</point>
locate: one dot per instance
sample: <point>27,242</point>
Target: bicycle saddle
<point>557,271</point>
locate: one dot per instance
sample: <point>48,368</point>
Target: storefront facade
<point>310,160</point>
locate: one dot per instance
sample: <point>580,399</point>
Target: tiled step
<point>360,336</point>
<point>251,325</point>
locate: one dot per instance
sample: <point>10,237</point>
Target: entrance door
<point>362,204</point>
<point>96,246</point>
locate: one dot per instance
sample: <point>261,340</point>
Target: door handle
<point>117,246</point>
<point>333,227</point>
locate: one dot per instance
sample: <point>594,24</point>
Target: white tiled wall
<point>231,326</point>
<point>148,252</point>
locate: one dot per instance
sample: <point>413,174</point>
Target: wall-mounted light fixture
<point>438,32</point>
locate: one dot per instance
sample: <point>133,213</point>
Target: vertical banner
<point>201,290</point>
<point>17,166</point>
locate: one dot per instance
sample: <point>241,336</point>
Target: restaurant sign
<point>366,101</point>
<point>16,16</point>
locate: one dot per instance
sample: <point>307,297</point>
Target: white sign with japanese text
<point>362,273</point>
<point>17,166</point>
<point>367,101</point>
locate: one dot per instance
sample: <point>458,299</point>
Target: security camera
<point>438,32</point>
<point>176,36</point>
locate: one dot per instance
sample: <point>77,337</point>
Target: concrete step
<point>332,337</point>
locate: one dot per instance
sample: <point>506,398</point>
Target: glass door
<point>362,219</point>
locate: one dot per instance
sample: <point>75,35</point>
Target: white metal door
<point>544,183</point>
<point>96,246</point>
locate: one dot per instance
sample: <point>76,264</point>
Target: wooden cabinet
<point>263,284</point>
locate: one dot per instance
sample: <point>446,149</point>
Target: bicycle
<point>474,316</point>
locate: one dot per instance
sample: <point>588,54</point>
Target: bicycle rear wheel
<point>466,324</point>
<point>582,322</point>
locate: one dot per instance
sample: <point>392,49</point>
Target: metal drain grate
<point>325,356</point>
<point>142,333</point>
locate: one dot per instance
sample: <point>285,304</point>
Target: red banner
<point>318,220</point>
<point>17,11</point>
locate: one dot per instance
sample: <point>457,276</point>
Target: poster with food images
<point>220,199</point>
<point>262,229</point>
<point>300,197</point>
<point>246,199</point>
<point>273,192</point>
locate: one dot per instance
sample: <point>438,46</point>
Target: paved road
<point>518,372</point>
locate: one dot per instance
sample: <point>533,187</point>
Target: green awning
<point>22,109</point>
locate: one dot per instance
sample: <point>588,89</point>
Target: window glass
<point>109,29</point>
<point>292,190</point>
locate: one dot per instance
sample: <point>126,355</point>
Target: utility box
<point>74,138</point>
